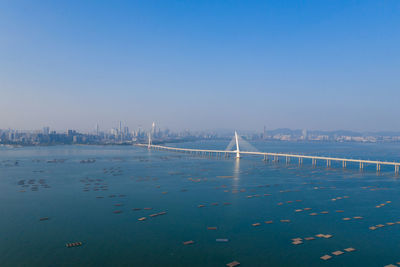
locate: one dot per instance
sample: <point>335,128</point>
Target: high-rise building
<point>265,133</point>
<point>46,130</point>
<point>71,132</point>
<point>304,134</point>
<point>153,128</point>
<point>114,132</point>
<point>126,131</point>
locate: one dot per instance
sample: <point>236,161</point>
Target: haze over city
<point>200,64</point>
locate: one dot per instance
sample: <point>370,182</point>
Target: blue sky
<point>200,64</point>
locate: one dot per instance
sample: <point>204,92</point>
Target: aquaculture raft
<point>75,244</point>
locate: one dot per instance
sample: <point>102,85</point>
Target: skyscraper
<point>265,133</point>
<point>126,131</point>
<point>153,129</point>
<point>46,130</point>
<point>304,134</point>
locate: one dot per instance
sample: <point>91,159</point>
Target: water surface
<point>80,200</point>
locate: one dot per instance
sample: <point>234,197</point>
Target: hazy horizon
<point>200,65</point>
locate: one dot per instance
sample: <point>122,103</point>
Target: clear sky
<point>200,64</point>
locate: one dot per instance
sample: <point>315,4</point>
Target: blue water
<point>67,192</point>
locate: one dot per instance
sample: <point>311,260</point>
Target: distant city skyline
<point>149,128</point>
<point>200,65</point>
<point>123,135</point>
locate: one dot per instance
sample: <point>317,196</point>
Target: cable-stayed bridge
<point>237,153</point>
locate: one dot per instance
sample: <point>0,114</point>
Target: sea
<point>82,205</point>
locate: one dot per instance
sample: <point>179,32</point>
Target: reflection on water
<point>236,172</point>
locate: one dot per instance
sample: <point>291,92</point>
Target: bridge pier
<point>396,170</point>
<point>328,163</point>
<point>378,167</point>
<point>300,161</point>
<point>344,164</point>
<point>287,160</point>
<point>265,157</point>
<point>314,162</point>
<point>361,165</point>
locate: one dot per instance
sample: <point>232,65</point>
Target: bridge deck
<point>396,164</point>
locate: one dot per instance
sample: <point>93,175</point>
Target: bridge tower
<point>237,146</point>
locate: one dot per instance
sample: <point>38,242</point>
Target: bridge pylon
<point>237,146</point>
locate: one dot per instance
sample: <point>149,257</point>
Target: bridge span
<point>276,156</point>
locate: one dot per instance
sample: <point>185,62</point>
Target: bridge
<point>275,156</point>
